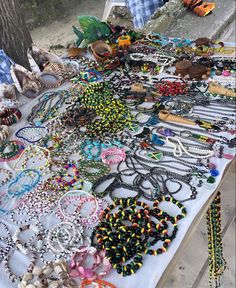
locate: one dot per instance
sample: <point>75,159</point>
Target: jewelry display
<point>100,176</point>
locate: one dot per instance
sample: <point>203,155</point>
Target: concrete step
<point>188,24</point>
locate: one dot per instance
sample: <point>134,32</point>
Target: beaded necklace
<point>217,263</point>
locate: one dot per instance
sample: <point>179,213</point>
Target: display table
<point>155,269</point>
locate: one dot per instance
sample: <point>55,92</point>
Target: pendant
<point>156,140</point>
<point>155,155</point>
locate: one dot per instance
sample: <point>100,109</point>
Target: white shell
<point>28,276</point>
<point>36,54</point>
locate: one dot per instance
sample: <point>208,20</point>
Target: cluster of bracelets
<point>124,242</point>
<point>10,116</point>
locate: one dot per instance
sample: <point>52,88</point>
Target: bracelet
<point>8,243</point>
<point>64,238</point>
<point>10,116</point>
<point>84,167</point>
<point>26,187</point>
<point>118,153</point>
<point>66,184</point>
<point>99,260</point>
<point>38,133</point>
<point>38,231</point>
<point>82,197</point>
<point>8,175</point>
<point>98,283</point>
<point>14,149</point>
<point>12,277</point>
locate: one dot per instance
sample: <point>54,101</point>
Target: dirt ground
<point>59,33</point>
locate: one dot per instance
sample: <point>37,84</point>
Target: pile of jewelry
<point>100,175</point>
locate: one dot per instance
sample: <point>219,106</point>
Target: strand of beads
<point>31,134</point>
<point>8,176</point>
<point>217,263</point>
<point>10,116</point>
<point>5,241</point>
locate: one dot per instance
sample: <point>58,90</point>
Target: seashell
<point>39,58</point>
<point>25,81</point>
<point>53,284</point>
<point>60,70</point>
<point>28,276</point>
<point>30,286</point>
<point>37,270</point>
<point>8,91</point>
<point>165,115</point>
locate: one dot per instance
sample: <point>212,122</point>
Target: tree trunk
<point>14,35</point>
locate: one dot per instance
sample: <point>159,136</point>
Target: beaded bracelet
<point>84,167</point>
<point>26,187</point>
<point>29,153</point>
<point>8,175</point>
<point>118,153</point>
<point>13,278</point>
<point>38,133</point>
<point>82,197</point>
<point>4,132</point>
<point>64,238</point>
<point>98,283</point>
<point>100,260</point>
<point>87,149</point>
<point>66,184</point>
<point>8,243</point>
<point>37,228</point>
<point>15,148</point>
<point>10,116</point>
